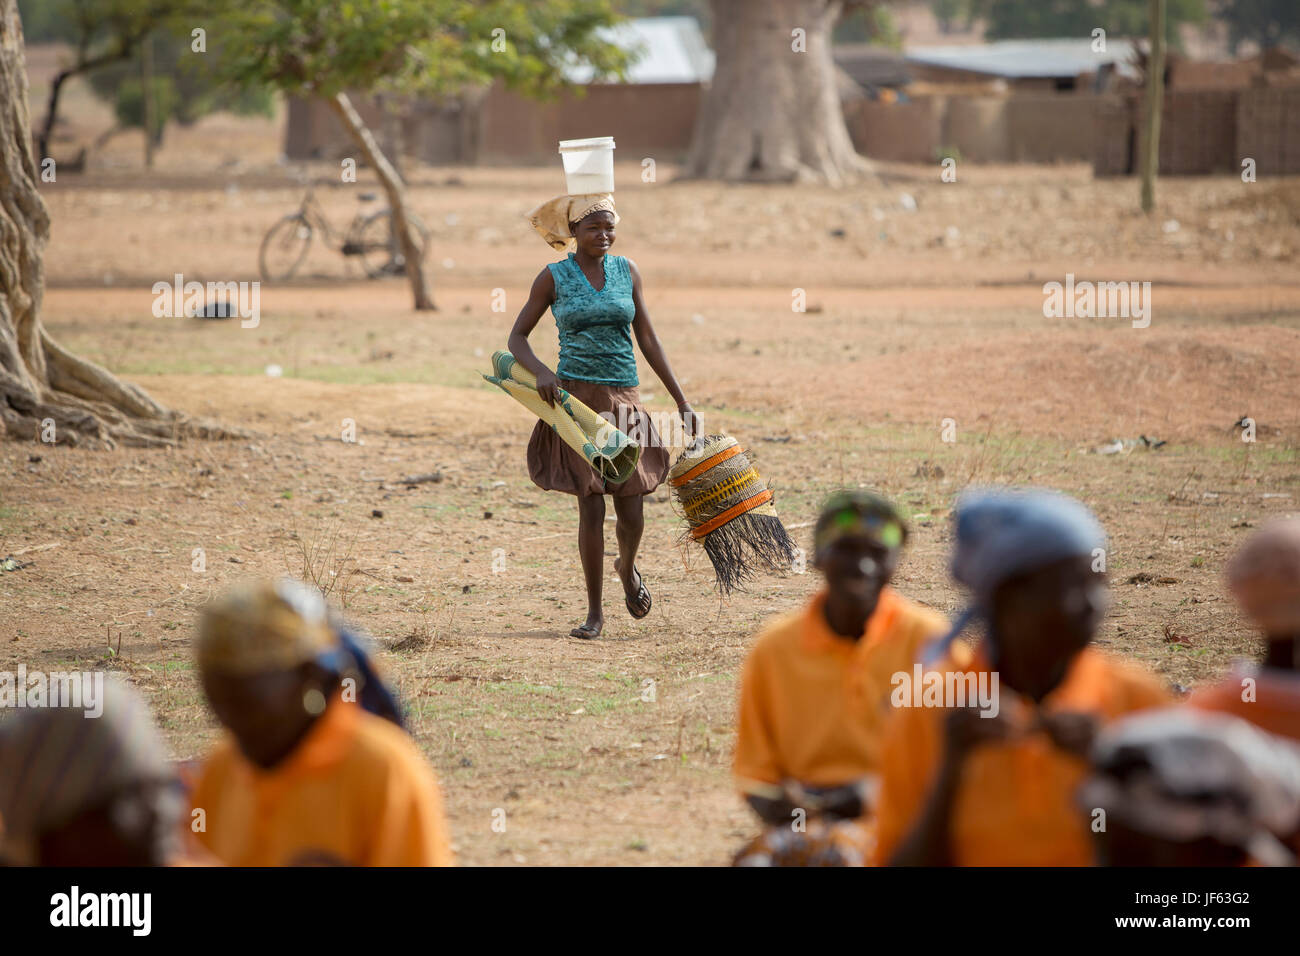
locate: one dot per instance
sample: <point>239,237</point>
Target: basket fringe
<point>745,544</point>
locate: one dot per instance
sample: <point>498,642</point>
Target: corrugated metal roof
<point>871,66</point>
<point>1024,59</point>
<point>667,50</point>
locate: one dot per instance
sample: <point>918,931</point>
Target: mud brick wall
<point>1268,129</point>
<point>898,132</point>
<point>1198,133</point>
<point>1052,127</point>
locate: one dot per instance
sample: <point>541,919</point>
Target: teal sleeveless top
<point>595,327</point>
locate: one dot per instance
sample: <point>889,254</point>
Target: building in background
<point>1027,66</point>
<point>653,113</point>
<point>1037,101</point>
<point>879,72</point>
<point>1056,100</point>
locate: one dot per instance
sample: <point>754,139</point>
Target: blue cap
<point>1002,533</point>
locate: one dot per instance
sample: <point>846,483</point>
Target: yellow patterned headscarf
<point>551,219</point>
<point>58,762</point>
<point>265,626</point>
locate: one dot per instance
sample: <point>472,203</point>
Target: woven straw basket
<point>728,508</point>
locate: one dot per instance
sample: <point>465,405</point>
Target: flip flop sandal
<point>585,632</point>
<point>642,601</point>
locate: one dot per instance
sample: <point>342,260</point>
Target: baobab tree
<point>45,390</point>
<point>772,112</point>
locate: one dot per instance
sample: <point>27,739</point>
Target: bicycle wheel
<point>284,248</point>
<point>381,254</point>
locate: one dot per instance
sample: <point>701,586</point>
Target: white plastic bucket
<point>588,165</point>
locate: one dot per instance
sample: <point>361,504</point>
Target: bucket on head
<point>588,165</point>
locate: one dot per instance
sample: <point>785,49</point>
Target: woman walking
<point>597,302</point>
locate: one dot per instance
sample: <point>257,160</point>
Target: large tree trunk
<point>407,237</point>
<point>41,382</point>
<point>771,113</point>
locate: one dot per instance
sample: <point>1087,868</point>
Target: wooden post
<point>1155,101</point>
<point>146,94</point>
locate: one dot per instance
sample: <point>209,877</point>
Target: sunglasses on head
<point>848,522</point>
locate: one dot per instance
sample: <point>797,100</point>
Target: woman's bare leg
<point>631,523</point>
<point>591,548</point>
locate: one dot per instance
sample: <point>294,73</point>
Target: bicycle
<point>369,236</point>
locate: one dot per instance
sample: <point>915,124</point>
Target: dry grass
<point>324,558</point>
<point>902,334</point>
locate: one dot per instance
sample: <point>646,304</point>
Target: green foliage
<point>951,13</point>
<point>43,22</point>
<point>95,26</point>
<point>1266,22</point>
<point>867,23</point>
<point>701,10</point>
<point>322,47</point>
<point>186,84</point>
<point>107,36</point>
<point>128,103</point>
<point>1007,19</point>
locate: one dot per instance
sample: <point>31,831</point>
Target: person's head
<point>88,791</point>
<point>267,657</point>
<point>594,232</point>
<point>1181,787</point>
<point>1264,577</point>
<point>586,220</point>
<point>857,542</point>
<point>1041,619</point>
<point>1030,559</point>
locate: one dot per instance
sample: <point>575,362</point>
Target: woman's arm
<point>930,841</point>
<point>540,298</point>
<point>653,351</point>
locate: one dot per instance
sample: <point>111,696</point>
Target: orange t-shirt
<point>1015,804</point>
<point>356,791</point>
<point>812,703</point>
<point>1274,709</point>
<point>1275,706</point>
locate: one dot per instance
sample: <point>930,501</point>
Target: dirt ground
<point>470,585</point>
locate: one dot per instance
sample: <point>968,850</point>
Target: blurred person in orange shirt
<point>815,686</point>
<point>995,786</point>
<point>1264,577</point>
<point>315,769</point>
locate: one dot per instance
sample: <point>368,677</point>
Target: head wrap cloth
<point>551,219</point>
<point>56,763</point>
<point>1182,774</point>
<point>1004,533</point>
<point>265,626</point>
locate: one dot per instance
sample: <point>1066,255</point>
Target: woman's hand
<point>548,387</point>
<point>1071,731</point>
<point>690,421</point>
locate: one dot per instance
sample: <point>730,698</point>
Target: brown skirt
<point>554,466</point>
